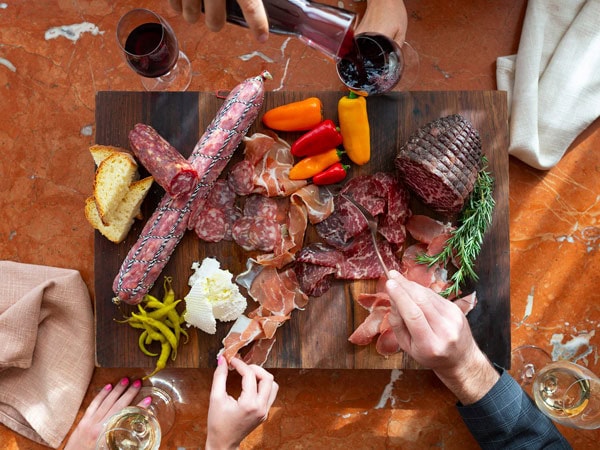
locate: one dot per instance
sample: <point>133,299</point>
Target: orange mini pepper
<point>296,116</point>
<point>312,165</point>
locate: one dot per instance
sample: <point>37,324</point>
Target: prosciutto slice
<point>376,325</point>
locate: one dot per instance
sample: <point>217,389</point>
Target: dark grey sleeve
<point>506,418</point>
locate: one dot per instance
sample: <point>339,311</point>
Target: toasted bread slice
<point>101,152</point>
<point>125,213</point>
<point>111,183</point>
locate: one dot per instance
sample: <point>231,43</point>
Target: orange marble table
<point>47,104</point>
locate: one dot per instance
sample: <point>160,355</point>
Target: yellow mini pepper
<point>354,126</point>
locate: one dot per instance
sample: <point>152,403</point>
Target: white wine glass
<point>136,428</point>
<point>564,391</point>
<point>150,47</point>
<point>569,394</point>
<point>132,428</point>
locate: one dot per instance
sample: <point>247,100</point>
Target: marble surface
<point>54,56</point>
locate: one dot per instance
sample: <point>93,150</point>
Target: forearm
<point>471,380</point>
<point>507,418</point>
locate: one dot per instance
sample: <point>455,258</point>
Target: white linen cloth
<point>46,349</point>
<point>553,82</point>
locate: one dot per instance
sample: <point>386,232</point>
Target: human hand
<point>387,17</point>
<point>231,420</point>
<point>106,403</point>
<point>215,14</point>
<point>436,334</point>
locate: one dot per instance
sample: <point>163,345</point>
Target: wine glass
<point>563,390</point>
<point>136,428</point>
<point>377,64</point>
<point>152,51</point>
<point>132,428</point>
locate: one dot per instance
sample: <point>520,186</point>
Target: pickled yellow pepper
<point>354,127</point>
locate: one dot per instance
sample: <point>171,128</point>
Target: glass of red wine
<point>152,51</point>
<point>376,64</point>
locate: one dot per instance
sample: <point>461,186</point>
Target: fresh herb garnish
<point>465,243</point>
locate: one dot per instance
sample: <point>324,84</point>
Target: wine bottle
<point>328,29</point>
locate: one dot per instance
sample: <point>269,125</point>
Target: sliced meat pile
<point>431,236</point>
<point>440,163</point>
<point>347,250</point>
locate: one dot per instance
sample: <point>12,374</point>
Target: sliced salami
<point>256,233</point>
<point>212,225</point>
<point>241,176</point>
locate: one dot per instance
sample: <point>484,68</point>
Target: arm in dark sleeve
<point>506,418</point>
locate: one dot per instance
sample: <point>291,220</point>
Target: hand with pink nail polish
<point>230,420</point>
<point>108,401</point>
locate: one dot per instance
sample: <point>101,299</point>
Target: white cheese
<point>213,296</point>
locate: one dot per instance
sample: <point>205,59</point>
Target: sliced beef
<point>440,163</point>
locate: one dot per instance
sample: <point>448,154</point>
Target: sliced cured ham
<point>376,326</point>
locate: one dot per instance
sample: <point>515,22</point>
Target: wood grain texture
<point>317,336</point>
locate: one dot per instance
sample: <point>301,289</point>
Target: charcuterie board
<point>317,336</point>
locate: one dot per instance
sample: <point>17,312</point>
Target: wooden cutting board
<point>316,337</point>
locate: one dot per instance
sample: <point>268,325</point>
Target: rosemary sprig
<point>466,240</point>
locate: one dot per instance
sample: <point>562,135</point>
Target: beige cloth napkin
<point>553,82</point>
<point>46,349</point>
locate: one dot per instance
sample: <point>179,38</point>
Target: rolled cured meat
<point>170,169</point>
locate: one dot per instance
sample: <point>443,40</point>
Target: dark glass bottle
<point>323,27</point>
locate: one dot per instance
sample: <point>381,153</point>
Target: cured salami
<point>240,177</point>
<point>256,233</point>
<point>212,225</point>
<point>165,228</point>
<point>169,169</point>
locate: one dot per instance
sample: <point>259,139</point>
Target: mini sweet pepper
<point>354,127</point>
<point>312,165</point>
<point>333,174</point>
<point>324,136</point>
<point>296,116</point>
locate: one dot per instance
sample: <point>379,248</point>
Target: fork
<point>372,223</point>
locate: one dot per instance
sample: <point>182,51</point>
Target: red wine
<point>374,65</point>
<point>151,50</point>
<point>323,27</point>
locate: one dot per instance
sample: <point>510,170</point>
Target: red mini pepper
<point>333,174</point>
<point>323,137</point>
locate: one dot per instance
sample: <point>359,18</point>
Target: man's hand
<point>231,420</point>
<point>387,17</point>
<point>436,334</point>
<point>215,14</point>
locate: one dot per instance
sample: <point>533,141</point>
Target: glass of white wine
<point>564,391</point>
<point>136,428</point>
<point>569,394</point>
<point>132,428</point>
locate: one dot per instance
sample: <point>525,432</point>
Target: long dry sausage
<point>169,168</point>
<point>165,228</point>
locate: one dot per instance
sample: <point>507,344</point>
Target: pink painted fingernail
<point>220,360</point>
<point>137,383</point>
<point>124,381</point>
<point>146,401</point>
<point>108,387</point>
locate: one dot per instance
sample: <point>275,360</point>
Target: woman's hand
<point>231,420</point>
<point>108,401</point>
